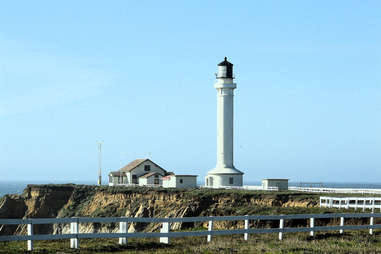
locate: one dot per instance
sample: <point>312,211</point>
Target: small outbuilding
<point>275,184</point>
<point>180,181</point>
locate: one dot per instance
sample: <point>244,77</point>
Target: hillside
<point>50,201</point>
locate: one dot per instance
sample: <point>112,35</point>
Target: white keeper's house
<point>144,172</point>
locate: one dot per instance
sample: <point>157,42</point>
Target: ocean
<point>17,187</point>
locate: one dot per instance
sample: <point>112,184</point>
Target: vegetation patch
<point>349,242</point>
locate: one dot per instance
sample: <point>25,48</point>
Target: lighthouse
<point>224,174</point>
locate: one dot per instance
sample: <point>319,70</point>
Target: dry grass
<point>350,242</point>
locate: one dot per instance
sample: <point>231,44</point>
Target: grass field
<point>349,242</point>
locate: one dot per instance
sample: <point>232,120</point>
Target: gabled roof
<point>135,163</point>
<point>150,174</point>
<point>117,173</point>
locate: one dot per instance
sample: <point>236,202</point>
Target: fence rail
<point>351,202</point>
<point>335,190</point>
<point>244,187</point>
<point>304,189</point>
<point>165,234</point>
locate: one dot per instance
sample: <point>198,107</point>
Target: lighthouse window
<point>231,179</point>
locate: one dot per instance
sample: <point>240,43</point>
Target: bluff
<point>69,200</point>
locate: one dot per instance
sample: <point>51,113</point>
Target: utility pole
<point>100,162</point>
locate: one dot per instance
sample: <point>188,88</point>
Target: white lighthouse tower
<point>224,174</point>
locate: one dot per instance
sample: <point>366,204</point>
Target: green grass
<point>349,242</point>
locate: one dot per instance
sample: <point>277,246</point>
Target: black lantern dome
<point>225,69</point>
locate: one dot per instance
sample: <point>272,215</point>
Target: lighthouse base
<point>221,180</point>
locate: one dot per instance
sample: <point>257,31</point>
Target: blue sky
<point>139,75</point>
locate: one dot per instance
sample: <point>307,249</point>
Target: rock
<point>11,207</point>
<point>50,201</point>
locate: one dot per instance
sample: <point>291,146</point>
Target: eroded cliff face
<point>35,202</point>
<point>50,201</point>
<point>12,207</point>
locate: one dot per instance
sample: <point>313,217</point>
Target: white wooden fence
<point>351,202</point>
<point>335,190</point>
<point>305,189</point>
<point>244,187</point>
<point>165,234</point>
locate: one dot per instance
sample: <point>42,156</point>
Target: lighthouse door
<point>210,181</point>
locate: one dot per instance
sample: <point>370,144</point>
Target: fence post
<point>363,204</point>
<point>330,202</point>
<point>281,224</point>
<point>210,228</point>
<point>320,201</point>
<point>30,233</point>
<point>312,224</point>
<point>165,229</point>
<point>347,203</point>
<point>246,235</point>
<point>373,205</point>
<point>123,229</point>
<point>341,224</point>
<point>356,204</point>
<point>74,243</point>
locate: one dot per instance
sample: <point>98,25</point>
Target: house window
<point>231,180</point>
<point>134,179</point>
<point>181,180</point>
<point>156,180</point>
<point>147,167</point>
